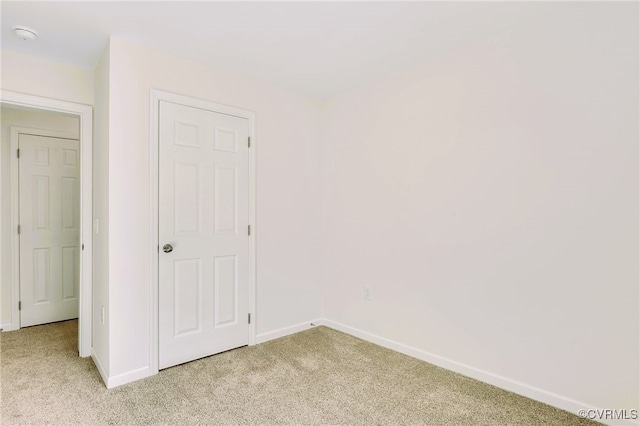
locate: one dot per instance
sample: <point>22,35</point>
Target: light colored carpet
<point>319,376</point>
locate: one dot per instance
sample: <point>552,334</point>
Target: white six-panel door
<point>49,229</point>
<point>203,295</point>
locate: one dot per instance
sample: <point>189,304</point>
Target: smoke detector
<point>24,33</point>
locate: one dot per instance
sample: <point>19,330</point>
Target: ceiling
<point>316,48</point>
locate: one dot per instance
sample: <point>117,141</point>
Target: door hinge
<point>20,305</point>
<point>83,247</point>
<point>249,230</point>
<point>18,229</point>
<point>249,141</point>
<point>249,318</point>
<point>18,152</point>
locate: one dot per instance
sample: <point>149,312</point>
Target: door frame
<point>15,132</point>
<point>154,141</point>
<point>85,115</point>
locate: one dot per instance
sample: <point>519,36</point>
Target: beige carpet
<point>319,376</point>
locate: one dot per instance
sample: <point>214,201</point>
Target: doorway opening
<point>48,125</point>
<point>45,211</point>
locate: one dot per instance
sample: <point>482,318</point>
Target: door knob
<point>167,248</point>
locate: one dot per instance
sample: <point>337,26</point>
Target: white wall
<point>100,328</point>
<point>23,118</point>
<point>490,200</point>
<point>36,76</point>
<point>289,290</point>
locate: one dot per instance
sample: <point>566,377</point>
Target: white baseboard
<point>541,395</point>
<point>119,379</point>
<point>128,377</point>
<point>103,372</point>
<point>7,327</point>
<point>265,337</point>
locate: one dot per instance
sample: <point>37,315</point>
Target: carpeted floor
<point>319,376</point>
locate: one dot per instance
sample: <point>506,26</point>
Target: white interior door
<point>49,229</point>
<point>203,223</point>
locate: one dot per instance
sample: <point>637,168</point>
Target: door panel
<point>203,209</point>
<point>225,180</point>
<point>49,229</point>
<point>187,198</point>
<point>226,289</point>
<point>187,300</point>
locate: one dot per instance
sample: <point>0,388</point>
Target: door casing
<point>155,97</point>
<point>85,114</point>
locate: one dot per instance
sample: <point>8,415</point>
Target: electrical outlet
<point>368,294</point>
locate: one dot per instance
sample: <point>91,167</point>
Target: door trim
<point>15,132</point>
<point>85,114</point>
<point>155,97</point>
